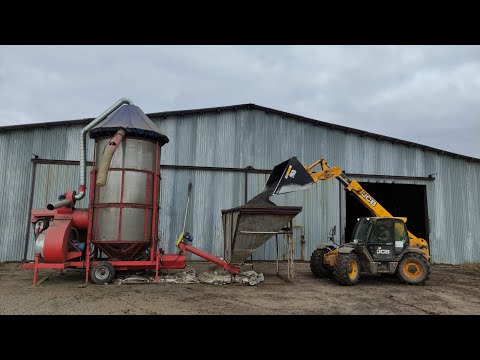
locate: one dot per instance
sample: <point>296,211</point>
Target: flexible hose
<point>107,157</point>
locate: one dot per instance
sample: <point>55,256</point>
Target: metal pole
<point>276,243</point>
<point>290,254</point>
<point>342,241</point>
<point>30,203</point>
<point>246,185</point>
<point>292,259</point>
<point>287,253</point>
<point>302,248</point>
<point>186,210</point>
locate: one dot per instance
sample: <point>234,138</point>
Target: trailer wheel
<point>102,273</point>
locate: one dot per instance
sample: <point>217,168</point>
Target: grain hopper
<point>119,229</point>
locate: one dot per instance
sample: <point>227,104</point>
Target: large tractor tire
<point>319,269</point>
<point>347,269</point>
<point>413,269</point>
<point>102,273</point>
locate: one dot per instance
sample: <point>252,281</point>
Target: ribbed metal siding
<point>16,149</point>
<point>253,138</point>
<point>211,192</point>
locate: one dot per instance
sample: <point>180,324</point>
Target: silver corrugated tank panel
<point>132,154</point>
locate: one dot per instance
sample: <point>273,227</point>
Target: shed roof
<point>165,114</point>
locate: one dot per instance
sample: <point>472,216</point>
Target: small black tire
<point>413,269</point>
<point>319,269</point>
<point>347,269</point>
<point>102,273</point>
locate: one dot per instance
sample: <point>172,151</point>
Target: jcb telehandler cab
<point>380,244</point>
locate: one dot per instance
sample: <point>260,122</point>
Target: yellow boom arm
<point>364,197</point>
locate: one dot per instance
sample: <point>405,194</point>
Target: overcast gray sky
<point>425,94</point>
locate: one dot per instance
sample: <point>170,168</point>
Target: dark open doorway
<point>403,200</point>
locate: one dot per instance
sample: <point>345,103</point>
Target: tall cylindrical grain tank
<point>125,210</point>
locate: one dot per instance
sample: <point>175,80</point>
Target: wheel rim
<point>412,269</point>
<point>352,269</point>
<point>102,273</point>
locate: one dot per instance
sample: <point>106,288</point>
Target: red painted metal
<point>121,242</point>
<point>79,216</point>
<point>122,250</point>
<point>56,251</point>
<point>41,213</point>
<point>157,264</point>
<point>57,237</point>
<point>91,200</point>
<point>167,262</point>
<point>170,261</point>
<point>145,216</point>
<point>213,259</point>
<point>80,219</point>
<point>130,169</point>
<point>155,202</point>
<point>73,255</point>
<point>69,264</point>
<point>124,205</point>
<point>35,269</point>
<point>95,220</point>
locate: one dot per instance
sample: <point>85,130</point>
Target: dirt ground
<point>450,290</point>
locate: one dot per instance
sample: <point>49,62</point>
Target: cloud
<point>418,93</point>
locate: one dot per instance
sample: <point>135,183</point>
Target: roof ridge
<point>251,106</point>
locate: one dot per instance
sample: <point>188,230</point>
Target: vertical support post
<point>302,248</point>
<point>340,187</point>
<point>147,209</point>
<point>290,254</point>
<point>35,269</point>
<point>155,203</point>
<point>91,200</point>
<point>246,185</point>
<point>30,203</point>
<point>292,258</point>
<point>157,265</point>
<point>276,247</point>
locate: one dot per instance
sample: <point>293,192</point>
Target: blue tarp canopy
<point>131,119</point>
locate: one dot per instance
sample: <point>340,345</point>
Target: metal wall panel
<point>240,138</point>
<point>211,192</point>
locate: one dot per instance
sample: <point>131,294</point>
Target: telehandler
<point>380,244</point>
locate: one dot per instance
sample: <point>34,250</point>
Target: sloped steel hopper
<point>248,227</point>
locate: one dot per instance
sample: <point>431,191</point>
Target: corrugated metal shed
<point>237,137</point>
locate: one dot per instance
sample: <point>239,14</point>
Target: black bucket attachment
<point>288,176</point>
